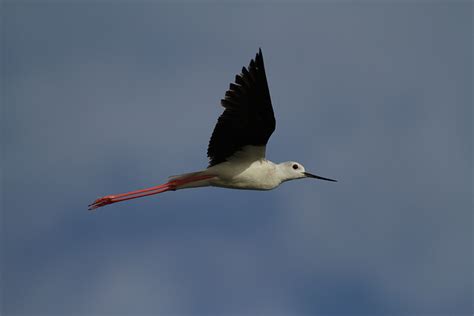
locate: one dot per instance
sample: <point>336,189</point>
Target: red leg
<point>172,185</point>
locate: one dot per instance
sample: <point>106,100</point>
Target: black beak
<point>309,175</point>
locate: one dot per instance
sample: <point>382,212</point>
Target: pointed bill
<point>309,175</point>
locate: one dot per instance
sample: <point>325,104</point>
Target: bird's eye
<point>295,166</point>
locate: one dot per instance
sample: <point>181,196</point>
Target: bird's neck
<point>281,172</point>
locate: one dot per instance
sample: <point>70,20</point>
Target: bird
<point>237,146</point>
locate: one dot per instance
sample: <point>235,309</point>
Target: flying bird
<point>237,146</point>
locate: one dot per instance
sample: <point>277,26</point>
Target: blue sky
<point>102,97</point>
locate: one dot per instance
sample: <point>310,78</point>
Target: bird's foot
<point>103,201</point>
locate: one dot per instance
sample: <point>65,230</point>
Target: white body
<point>258,175</point>
<point>247,170</point>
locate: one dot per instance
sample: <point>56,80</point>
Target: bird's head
<point>292,170</point>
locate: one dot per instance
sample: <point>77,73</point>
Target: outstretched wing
<point>248,117</point>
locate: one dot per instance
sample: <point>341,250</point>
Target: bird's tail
<point>190,180</point>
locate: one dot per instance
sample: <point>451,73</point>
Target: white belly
<point>258,175</point>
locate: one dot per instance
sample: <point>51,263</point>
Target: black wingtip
<point>259,57</point>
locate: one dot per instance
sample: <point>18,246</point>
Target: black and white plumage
<point>248,118</point>
<point>237,146</point>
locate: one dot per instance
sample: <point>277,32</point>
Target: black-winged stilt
<point>236,149</point>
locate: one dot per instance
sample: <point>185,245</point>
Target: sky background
<point>103,97</point>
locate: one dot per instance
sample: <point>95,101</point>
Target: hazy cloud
<point>102,98</point>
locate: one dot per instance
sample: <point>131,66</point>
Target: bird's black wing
<point>248,117</point>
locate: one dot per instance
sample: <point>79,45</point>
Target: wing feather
<point>248,118</point>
